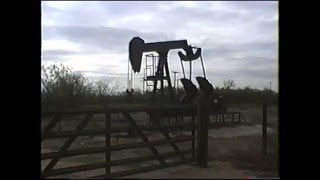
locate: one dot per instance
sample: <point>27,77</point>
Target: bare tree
<point>105,88</point>
<point>228,84</point>
<point>62,86</point>
<point>266,89</point>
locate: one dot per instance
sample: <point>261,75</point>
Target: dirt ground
<point>215,170</point>
<point>233,153</point>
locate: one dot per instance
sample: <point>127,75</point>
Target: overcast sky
<point>239,39</point>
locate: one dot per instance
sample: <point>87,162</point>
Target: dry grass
<point>243,152</point>
<point>246,153</point>
<point>253,113</point>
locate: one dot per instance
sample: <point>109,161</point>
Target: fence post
<point>59,126</point>
<point>202,130</point>
<point>232,118</point>
<point>193,132</point>
<point>108,144</point>
<point>264,129</point>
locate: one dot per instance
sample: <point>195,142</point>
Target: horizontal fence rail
<point>107,131</point>
<point>140,132</point>
<point>182,109</point>
<point>77,152</point>
<point>170,128</point>
<point>94,166</point>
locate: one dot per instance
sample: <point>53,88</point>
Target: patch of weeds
<point>255,161</point>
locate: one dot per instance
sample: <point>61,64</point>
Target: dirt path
<point>215,170</point>
<point>255,130</point>
<point>232,154</point>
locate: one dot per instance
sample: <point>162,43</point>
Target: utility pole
<point>270,86</point>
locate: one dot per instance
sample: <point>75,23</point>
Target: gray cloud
<point>239,39</point>
<point>256,6</point>
<point>228,50</point>
<point>99,38</point>
<point>55,54</point>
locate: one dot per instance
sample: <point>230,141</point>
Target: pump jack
<point>137,47</point>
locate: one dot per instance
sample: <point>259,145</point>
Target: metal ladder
<point>149,70</point>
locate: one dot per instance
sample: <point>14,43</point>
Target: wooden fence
<point>107,131</point>
<point>189,111</point>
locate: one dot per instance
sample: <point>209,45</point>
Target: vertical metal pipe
<point>184,75</point>
<point>190,69</point>
<point>204,72</point>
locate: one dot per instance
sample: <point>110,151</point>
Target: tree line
<point>61,88</point>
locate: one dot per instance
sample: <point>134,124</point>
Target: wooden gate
<point>53,131</point>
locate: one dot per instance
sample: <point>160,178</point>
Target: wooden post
<point>59,129</point>
<point>108,143</point>
<point>232,118</point>
<point>264,129</point>
<point>223,117</point>
<point>202,131</point>
<point>193,132</point>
